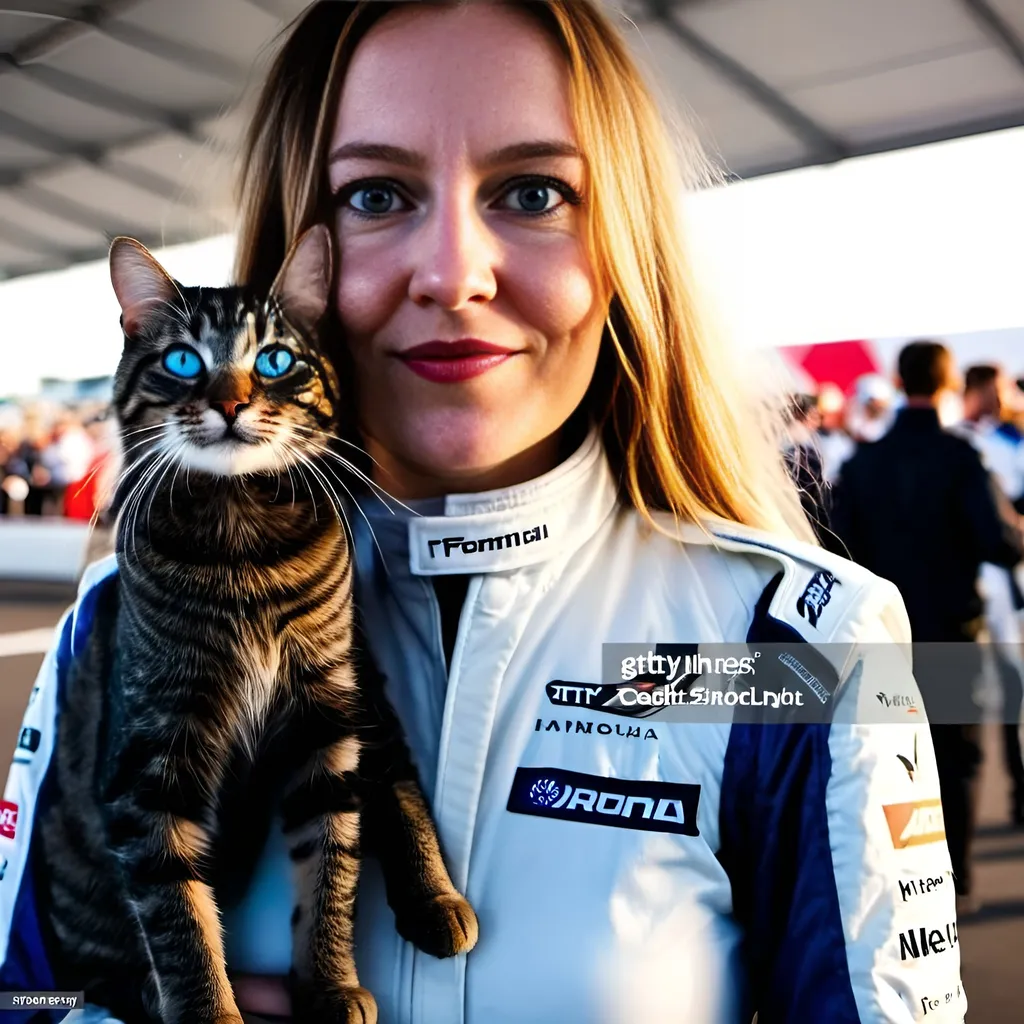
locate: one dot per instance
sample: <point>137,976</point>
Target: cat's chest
<point>259,677</point>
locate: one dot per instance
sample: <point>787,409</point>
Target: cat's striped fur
<point>224,675</point>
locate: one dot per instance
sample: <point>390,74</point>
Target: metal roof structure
<point>121,116</point>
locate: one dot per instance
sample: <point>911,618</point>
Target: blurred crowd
<point>921,480</point>
<point>52,458</point>
<point>825,428</point>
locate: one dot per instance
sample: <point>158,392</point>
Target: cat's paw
<point>342,1006</point>
<point>443,926</point>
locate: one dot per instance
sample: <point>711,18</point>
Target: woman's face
<point>469,304</point>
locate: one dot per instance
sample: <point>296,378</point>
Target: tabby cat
<point>224,674</point>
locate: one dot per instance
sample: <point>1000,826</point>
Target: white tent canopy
<point>120,116</point>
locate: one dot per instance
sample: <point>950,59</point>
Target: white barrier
<point>41,548</point>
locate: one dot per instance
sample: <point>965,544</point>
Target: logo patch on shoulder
<point>598,800</point>
<point>8,819</point>
<point>816,596</point>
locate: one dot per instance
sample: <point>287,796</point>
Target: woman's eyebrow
<point>377,151</point>
<point>408,158</point>
<point>530,151</point>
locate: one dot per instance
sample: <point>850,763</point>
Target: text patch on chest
<point>597,800</point>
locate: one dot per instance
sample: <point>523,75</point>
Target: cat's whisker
<point>277,459</point>
<point>177,470</point>
<point>172,459</point>
<point>140,494</point>
<point>140,430</point>
<point>342,440</point>
<point>291,479</point>
<point>164,459</point>
<point>352,468</point>
<point>127,505</point>
<point>153,440</point>
<point>302,476</point>
<point>369,525</point>
<point>332,495</point>
<point>355,471</point>
<point>127,470</point>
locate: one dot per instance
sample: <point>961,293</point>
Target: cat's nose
<point>229,408</point>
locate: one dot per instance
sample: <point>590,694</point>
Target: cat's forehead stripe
<point>205,351</point>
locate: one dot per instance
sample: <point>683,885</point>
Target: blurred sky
<point>923,241</point>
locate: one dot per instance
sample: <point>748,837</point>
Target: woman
<point>533,381</point>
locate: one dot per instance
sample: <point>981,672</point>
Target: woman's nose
<point>454,257</point>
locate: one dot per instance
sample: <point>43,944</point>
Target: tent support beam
<point>825,147</point>
<point>997,29</point>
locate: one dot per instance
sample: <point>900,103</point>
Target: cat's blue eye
<point>183,362</point>
<point>274,362</point>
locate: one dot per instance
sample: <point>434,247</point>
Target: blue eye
<point>274,362</point>
<point>535,198</point>
<point>372,198</point>
<point>182,362</point>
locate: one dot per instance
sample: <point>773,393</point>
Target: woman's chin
<point>434,462</point>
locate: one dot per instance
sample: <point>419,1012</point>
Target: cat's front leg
<point>153,809</point>
<point>321,820</point>
<point>399,830</point>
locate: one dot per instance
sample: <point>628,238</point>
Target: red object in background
<point>837,362</point>
<point>8,819</point>
<point>80,497</point>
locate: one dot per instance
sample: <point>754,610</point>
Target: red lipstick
<point>450,362</point>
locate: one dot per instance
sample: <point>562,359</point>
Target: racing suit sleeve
<point>24,965</point>
<point>833,838</point>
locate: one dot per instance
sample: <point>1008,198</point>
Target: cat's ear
<point>141,285</point>
<point>303,285</point>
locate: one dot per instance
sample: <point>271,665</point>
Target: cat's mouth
<point>234,450</point>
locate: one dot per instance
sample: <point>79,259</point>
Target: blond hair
<point>679,430</point>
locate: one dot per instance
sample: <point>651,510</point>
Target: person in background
<point>919,508</point>
<point>804,463</point>
<point>988,401</point>
<point>27,463</point>
<point>8,446</point>
<point>834,444</point>
<point>803,459</point>
<point>871,412</point>
<point>66,457</point>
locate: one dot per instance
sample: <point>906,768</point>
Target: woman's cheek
<point>369,289</point>
<point>559,291</point>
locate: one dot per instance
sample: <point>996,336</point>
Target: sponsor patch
<point>925,941</point>
<point>630,732</point>
<point>447,545</point>
<point>909,764</point>
<point>598,800</point>
<point>29,739</point>
<point>898,700</point>
<point>921,886</point>
<point>8,819</point>
<point>816,596</point>
<point>916,823</point>
<point>821,692</point>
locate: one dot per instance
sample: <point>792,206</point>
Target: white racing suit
<point>625,868</point>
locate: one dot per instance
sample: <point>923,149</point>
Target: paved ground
<point>991,942</point>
